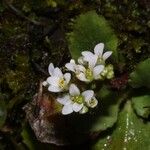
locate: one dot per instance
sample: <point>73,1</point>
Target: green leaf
<point>130,133</point>
<point>141,105</point>
<point>3,112</point>
<point>141,76</point>
<point>108,110</point>
<point>90,29</point>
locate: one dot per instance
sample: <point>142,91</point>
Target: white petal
<point>82,77</point>
<point>67,77</point>
<point>80,68</point>
<point>67,109</point>
<point>84,110</point>
<point>92,103</point>
<point>77,107</point>
<point>58,72</point>
<point>88,94</point>
<point>51,69</point>
<point>70,66</point>
<point>73,90</point>
<point>72,61</point>
<point>81,61</point>
<point>53,80</point>
<point>92,61</point>
<point>87,55</point>
<point>97,70</point>
<point>107,54</point>
<point>64,100</point>
<point>98,50</point>
<point>52,88</point>
<point>45,83</point>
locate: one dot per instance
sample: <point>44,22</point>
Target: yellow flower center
<point>77,99</point>
<point>89,74</point>
<point>61,83</point>
<point>101,61</point>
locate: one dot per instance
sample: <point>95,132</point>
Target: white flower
<point>98,52</point>
<point>58,81</point>
<point>88,72</point>
<point>76,101</point>
<point>72,66</point>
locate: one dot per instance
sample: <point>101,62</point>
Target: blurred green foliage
<point>140,77</point>
<point>129,133</point>
<point>141,104</point>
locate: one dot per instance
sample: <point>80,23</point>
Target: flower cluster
<point>90,66</point>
